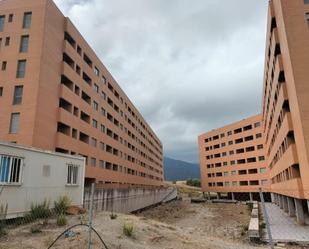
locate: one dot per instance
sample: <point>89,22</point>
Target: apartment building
<point>286,106</point>
<point>232,160</point>
<point>56,94</point>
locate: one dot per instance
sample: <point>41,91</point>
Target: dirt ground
<point>176,225</point>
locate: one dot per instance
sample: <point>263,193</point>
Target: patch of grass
<point>62,205</point>
<point>113,216</point>
<point>3,231</point>
<point>262,225</point>
<point>62,220</point>
<point>3,213</point>
<point>35,229</point>
<point>128,229</point>
<point>244,229</point>
<point>40,211</point>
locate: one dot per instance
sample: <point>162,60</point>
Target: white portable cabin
<point>31,176</point>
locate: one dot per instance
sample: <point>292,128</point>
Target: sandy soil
<point>179,224</point>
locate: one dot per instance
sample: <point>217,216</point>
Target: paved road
<point>285,228</point>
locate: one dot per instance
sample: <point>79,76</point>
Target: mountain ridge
<point>178,170</point>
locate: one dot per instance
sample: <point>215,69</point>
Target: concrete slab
<point>255,213</point>
<point>285,228</point>
<point>223,201</point>
<point>253,230</point>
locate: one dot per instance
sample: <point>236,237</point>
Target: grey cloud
<point>189,66</point>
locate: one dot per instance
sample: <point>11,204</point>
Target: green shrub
<point>62,204</point>
<point>128,229</point>
<point>40,211</point>
<point>194,182</point>
<point>62,220</point>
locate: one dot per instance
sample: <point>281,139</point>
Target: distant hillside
<point>176,170</point>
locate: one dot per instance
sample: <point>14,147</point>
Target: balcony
<point>282,96</point>
<point>69,95</point>
<point>292,188</point>
<point>285,127</point>
<point>288,159</point>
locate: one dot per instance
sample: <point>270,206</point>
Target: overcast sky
<point>188,66</point>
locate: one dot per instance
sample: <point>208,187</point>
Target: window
<point>93,162</point>
<point>27,20</point>
<point>18,95</point>
<point>93,142</point>
<point>14,125</point>
<point>102,147</point>
<point>7,41</point>
<point>102,128</point>
<point>259,135</point>
<point>248,127</point>
<point>264,182</point>
<point>21,69</point>
<point>94,123</point>
<point>95,105</point>
<point>24,43</point>
<point>1,91</point>
<point>11,18</point>
<point>261,158</point>
<point>229,133</point>
<point>10,169</point>
<point>103,95</point>
<point>3,67</point>
<point>96,71</point>
<point>96,88</point>
<point>103,112</point>
<point>262,170</point>
<point>2,20</point>
<point>79,50</point>
<point>72,174</point>
<point>257,124</point>
<point>260,146</point>
<point>102,164</point>
<point>103,79</point>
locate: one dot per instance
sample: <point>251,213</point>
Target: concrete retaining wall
<point>254,225</point>
<point>129,199</point>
